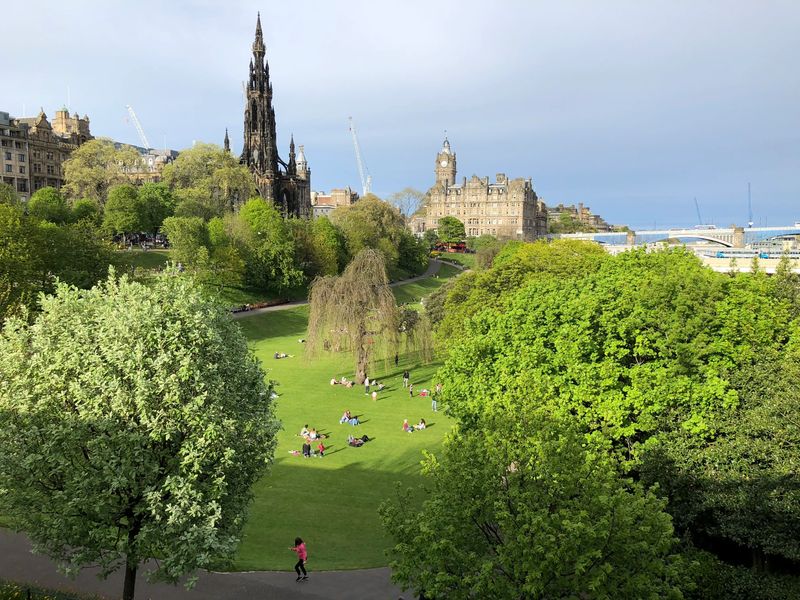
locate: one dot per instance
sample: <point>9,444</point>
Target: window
<point>21,157</point>
<point>22,170</point>
<point>49,169</point>
<point>22,185</point>
<point>37,168</point>
<point>8,155</point>
<point>17,145</point>
<point>49,156</point>
<point>8,169</point>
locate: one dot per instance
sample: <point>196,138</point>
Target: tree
<point>133,423</point>
<point>568,223</point>
<point>96,166</point>
<point>187,236</point>
<point>373,223</point>
<point>211,177</point>
<point>8,195</point>
<point>155,203</point>
<point>407,201</point>
<point>48,204</point>
<point>355,311</point>
<point>85,209</point>
<point>522,509</point>
<point>122,214</point>
<point>266,244</point>
<point>451,230</point>
<point>34,253</point>
<point>328,247</point>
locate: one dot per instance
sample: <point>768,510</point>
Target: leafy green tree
<point>34,253</point>
<point>739,486</point>
<point>515,264</point>
<point>133,424</point>
<point>328,247</point>
<point>476,243</point>
<point>97,165</point>
<point>8,195</point>
<point>22,262</point>
<point>122,214</point>
<point>210,177</point>
<point>451,230</point>
<point>430,237</point>
<point>48,204</point>
<point>155,203</point>
<point>85,209</point>
<point>268,250</point>
<point>373,223</point>
<point>187,236</point>
<point>522,509</point>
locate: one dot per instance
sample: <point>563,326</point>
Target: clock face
<point>443,162</point>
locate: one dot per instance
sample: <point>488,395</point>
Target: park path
<point>433,268</point>
<point>18,564</point>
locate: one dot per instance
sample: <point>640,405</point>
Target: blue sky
<point>633,108</point>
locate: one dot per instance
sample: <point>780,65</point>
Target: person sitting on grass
<point>304,431</point>
<point>312,435</point>
<point>354,441</point>
<point>380,387</point>
<point>354,420</point>
<point>421,425</point>
<point>345,417</point>
<point>406,427</point>
<point>282,355</point>
<point>333,381</point>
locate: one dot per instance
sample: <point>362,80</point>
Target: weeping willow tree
<point>355,312</point>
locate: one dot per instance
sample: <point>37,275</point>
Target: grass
<point>412,293</point>
<point>150,260</point>
<point>18,591</point>
<point>332,502</point>
<point>468,260</point>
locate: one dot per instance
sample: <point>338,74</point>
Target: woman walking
<point>300,548</point>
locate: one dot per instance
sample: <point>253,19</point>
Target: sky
<point>634,108</point>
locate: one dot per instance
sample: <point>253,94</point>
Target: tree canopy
<point>133,423</point>
<point>97,165</point>
<point>48,204</point>
<point>210,177</point>
<point>451,230</point>
<point>523,510</point>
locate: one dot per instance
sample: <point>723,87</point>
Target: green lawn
<point>411,293</point>
<point>150,260</point>
<point>332,502</point>
<point>468,260</point>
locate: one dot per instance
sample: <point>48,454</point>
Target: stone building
<point>150,165</point>
<point>287,184</point>
<point>39,148</point>
<point>582,214</point>
<point>323,204</point>
<point>506,208</point>
<point>14,154</point>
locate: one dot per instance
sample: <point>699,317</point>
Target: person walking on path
<point>300,548</point>
<point>435,397</point>
<point>406,377</point>
<point>366,385</point>
<point>410,390</point>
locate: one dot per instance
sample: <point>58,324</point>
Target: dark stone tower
<point>275,180</point>
<point>226,144</point>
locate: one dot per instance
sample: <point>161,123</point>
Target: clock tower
<point>446,165</point>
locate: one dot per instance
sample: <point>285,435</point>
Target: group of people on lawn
<point>311,436</point>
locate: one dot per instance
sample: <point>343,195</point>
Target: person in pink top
<point>300,548</point>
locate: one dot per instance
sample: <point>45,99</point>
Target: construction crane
<point>138,126</point>
<point>697,208</point>
<point>366,178</point>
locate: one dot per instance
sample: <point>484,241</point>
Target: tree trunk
<point>131,561</point>
<point>362,355</point>
<point>130,581</point>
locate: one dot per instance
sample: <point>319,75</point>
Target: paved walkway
<point>433,268</point>
<point>18,564</point>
